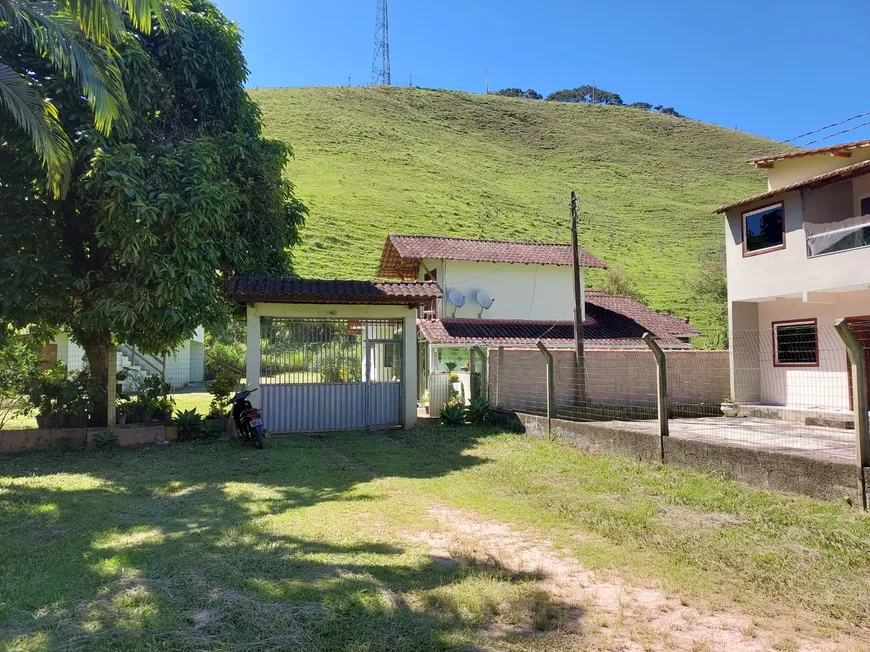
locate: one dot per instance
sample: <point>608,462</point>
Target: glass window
<point>865,206</point>
<point>796,343</point>
<point>763,229</point>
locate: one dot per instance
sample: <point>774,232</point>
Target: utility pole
<point>579,353</point>
<point>486,79</point>
<point>593,91</point>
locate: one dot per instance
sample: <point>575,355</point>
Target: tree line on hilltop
<point>586,95</point>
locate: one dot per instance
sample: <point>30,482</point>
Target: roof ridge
<point>465,239</point>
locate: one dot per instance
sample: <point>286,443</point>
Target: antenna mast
<point>381,58</point>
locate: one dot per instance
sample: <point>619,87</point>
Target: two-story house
<point>797,259</point>
<point>497,293</point>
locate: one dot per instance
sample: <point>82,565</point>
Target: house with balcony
<point>797,259</point>
<point>510,294</point>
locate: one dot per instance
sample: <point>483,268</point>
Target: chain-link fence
<point>788,389</point>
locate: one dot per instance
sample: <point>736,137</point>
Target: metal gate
<point>336,374</point>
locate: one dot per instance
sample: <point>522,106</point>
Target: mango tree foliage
<point>157,219</point>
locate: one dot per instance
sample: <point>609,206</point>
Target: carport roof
<point>276,289</point>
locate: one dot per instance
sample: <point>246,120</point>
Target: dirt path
<point>616,615</point>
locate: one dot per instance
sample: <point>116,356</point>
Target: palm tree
<point>75,37</point>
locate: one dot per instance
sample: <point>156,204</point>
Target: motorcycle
<point>249,425</point>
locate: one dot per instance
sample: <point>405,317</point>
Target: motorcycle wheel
<point>258,438</point>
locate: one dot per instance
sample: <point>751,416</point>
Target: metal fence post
<point>859,395</point>
<point>499,377</point>
<point>112,385</point>
<point>661,388</point>
<point>551,387</point>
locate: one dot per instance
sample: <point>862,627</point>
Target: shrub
<point>452,416</point>
<point>17,364</point>
<point>190,424</point>
<point>106,439</point>
<point>221,356</point>
<point>479,411</point>
<point>222,389</point>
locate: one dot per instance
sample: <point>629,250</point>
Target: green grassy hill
<point>373,161</point>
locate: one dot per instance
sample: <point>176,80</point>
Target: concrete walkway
<point>814,442</point>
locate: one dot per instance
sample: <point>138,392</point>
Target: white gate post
<point>252,364</point>
<point>409,369</point>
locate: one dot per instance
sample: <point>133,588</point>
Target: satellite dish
<point>456,298</point>
<point>484,300</point>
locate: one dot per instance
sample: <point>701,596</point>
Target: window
<point>763,229</point>
<point>865,206</point>
<point>796,343</point>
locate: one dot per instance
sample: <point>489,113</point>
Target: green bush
<point>222,388</point>
<point>106,439</point>
<point>190,424</point>
<point>452,415</point>
<point>222,356</point>
<point>479,411</point>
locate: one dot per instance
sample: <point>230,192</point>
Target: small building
<point>183,366</point>
<point>333,355</point>
<point>498,293</point>
<point>798,258</point>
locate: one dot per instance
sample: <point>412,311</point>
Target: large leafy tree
<point>76,36</point>
<point>157,216</point>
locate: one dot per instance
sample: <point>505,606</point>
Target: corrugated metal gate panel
<point>384,404</point>
<point>314,406</point>
<point>320,375</point>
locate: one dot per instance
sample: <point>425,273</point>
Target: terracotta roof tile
<point>654,322</point>
<point>272,289</point>
<point>835,176</point>
<point>604,327</point>
<point>402,253</point>
<point>798,153</point>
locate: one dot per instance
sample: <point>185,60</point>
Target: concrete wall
<point>536,292</point>
<point>768,470</point>
<point>16,441</point>
<point>788,171</point>
<point>618,377</point>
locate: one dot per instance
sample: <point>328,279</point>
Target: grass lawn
<point>325,542</point>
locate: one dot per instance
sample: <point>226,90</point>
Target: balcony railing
<point>851,233</point>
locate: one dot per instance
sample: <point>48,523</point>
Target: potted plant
<point>222,389</point>
<point>729,407</point>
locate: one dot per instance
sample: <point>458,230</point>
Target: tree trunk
<point>97,351</point>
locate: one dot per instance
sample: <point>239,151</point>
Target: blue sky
<point>771,67</point>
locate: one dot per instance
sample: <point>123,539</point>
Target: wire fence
<point>786,389</point>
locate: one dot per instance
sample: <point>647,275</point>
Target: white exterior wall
<point>789,171</point>
<point>825,386</point>
<point>527,292</point>
<point>185,365</point>
<point>335,311</point>
<point>789,272</point>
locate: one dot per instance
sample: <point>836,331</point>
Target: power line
<point>818,140</point>
<point>834,124</point>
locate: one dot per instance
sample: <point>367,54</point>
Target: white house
<point>182,367</point>
<point>497,293</point>
<point>797,259</point>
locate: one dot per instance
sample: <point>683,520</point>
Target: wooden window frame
<point>794,365</point>
<point>766,250</point>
